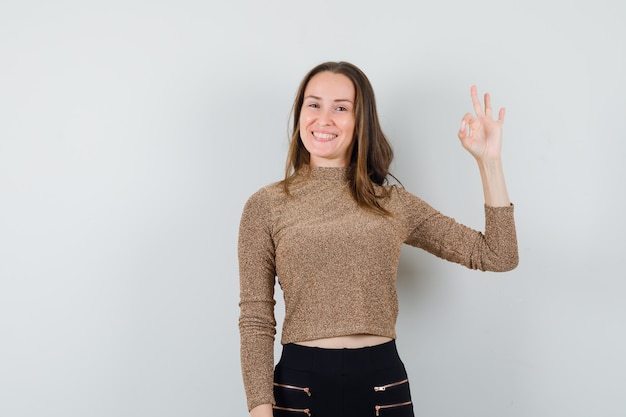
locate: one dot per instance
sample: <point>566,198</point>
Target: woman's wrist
<point>494,185</point>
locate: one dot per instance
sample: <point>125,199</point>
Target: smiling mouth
<point>324,136</point>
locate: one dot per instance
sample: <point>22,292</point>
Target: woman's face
<point>327,119</point>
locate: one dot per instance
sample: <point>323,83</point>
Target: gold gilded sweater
<point>336,263</point>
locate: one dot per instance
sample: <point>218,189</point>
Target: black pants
<point>362,382</point>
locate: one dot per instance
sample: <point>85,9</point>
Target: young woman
<point>331,232</point>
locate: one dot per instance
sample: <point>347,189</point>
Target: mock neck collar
<point>325,173</point>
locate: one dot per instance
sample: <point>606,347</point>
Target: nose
<point>325,118</point>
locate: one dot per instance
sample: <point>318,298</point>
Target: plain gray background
<point>132,132</point>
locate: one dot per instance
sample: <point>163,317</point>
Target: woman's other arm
<point>481,136</point>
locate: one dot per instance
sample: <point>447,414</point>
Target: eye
<point>314,105</point>
<point>341,108</point>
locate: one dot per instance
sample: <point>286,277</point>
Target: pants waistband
<point>334,361</point>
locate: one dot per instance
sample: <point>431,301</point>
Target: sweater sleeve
<point>493,250</point>
<point>257,325</point>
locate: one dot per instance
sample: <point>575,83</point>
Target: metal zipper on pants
<point>295,410</point>
<point>308,391</point>
<point>393,384</point>
<point>381,407</point>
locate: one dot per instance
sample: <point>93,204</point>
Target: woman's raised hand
<point>480,134</point>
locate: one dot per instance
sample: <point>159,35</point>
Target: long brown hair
<point>371,153</point>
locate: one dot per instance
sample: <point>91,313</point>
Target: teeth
<point>323,135</point>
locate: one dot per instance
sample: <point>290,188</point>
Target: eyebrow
<point>337,100</point>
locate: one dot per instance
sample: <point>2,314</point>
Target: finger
<point>488,105</point>
<point>462,133</point>
<point>501,115</point>
<point>466,126</point>
<point>476,102</point>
